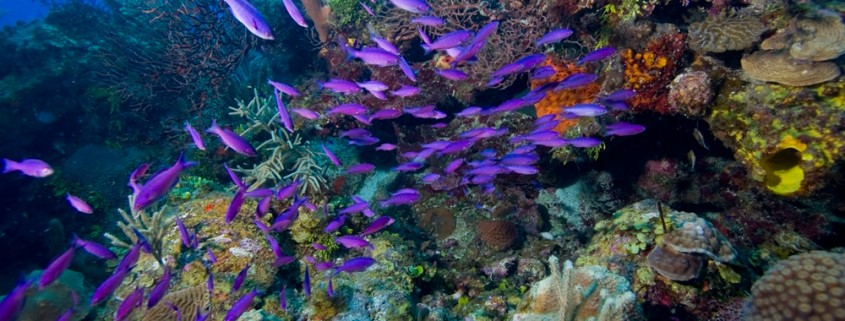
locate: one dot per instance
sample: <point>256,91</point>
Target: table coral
<point>788,138</point>
<point>779,67</point>
<point>554,101</point>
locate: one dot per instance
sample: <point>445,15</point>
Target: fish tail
<point>426,49</point>
<point>9,165</point>
<point>185,163</point>
<point>214,127</point>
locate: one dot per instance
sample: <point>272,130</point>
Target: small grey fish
<point>699,138</point>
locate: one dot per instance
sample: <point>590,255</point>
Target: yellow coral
<point>783,169</point>
<point>554,101</point>
<point>641,68</point>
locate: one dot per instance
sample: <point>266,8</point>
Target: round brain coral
<point>497,234</point>
<point>809,286</point>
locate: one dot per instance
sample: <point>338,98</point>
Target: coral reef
<point>725,32</point>
<point>497,234</point>
<point>818,36</point>
<point>809,286</point>
<point>57,298</point>
<point>554,101</point>
<point>584,293</point>
<point>650,71</point>
<point>319,14</point>
<point>779,67</point>
<point>787,137</point>
<point>678,258</point>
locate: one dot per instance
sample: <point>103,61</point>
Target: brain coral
<point>497,234</point>
<point>809,286</point>
<point>722,33</point>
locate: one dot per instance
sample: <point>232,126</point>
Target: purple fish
<point>135,175</point>
<point>323,266</point>
<point>260,193</point>
<point>283,301</point>
<point>306,283</point>
<point>130,302</point>
<point>159,289</point>
<point>283,111</point>
<point>554,142</point>
<point>453,165</point>
<point>78,204</point>
<point>94,248</point>
<point>523,149</point>
<point>367,8</point>
<point>384,44</point>
<point>183,232</point>
<point>109,286</point>
<point>553,36</point>
<point>232,140</point>
<point>130,258</point>
<point>331,156</point>
<point>250,18</point>
<point>452,74</point>
<point>405,91</point>
<point>306,113</point>
<point>318,246</point>
<point>423,36</point>
<point>584,142</point>
<point>487,170</point>
<point>508,69</point>
<point>364,141</point>
<point>352,241</point>
<point>457,146</point>
<point>348,109</point>
<point>240,306</point>
<point>160,184</point>
<point>401,199</point>
<point>67,316</point>
<point>209,283</point>
<point>543,73</point>
<point>357,264</point>
<point>235,206</point>
<point>386,114</point>
<point>13,302</point>
<point>407,70</point>
<point>449,40</point>
<point>285,88</point>
<point>287,191</point>
<point>29,167</point>
<point>372,85</point>
<point>263,206</point>
<point>377,225</point>
<point>374,56</point>
<point>195,136</point>
<point>235,178</point>
<point>294,13</point>
<point>240,278</point>
<point>469,111</point>
<point>585,110</point>
<point>624,129</point>
<point>341,86</point>
<point>408,167</point>
<point>619,95</point>
<point>55,269</point>
<point>356,133</point>
<point>211,257</point>
<point>386,147</point>
<point>335,224</point>
<point>430,21</point>
<point>519,159</point>
<point>330,288</point>
<point>597,55</point>
<point>430,178</point>
<point>413,6</point>
<point>576,80</point>
<point>477,43</point>
<point>364,119</point>
<point>523,169</point>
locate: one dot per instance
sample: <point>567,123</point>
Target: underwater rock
<point>584,293</point>
<point>779,67</point>
<point>723,33</point>
<point>55,299</point>
<point>789,138</point>
<point>809,286</point>
<point>690,93</point>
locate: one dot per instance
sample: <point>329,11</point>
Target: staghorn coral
<point>289,157</point>
<point>585,293</point>
<point>189,301</point>
<point>724,32</point>
<point>809,286</point>
<point>154,227</point>
<point>555,101</point>
<point>779,67</point>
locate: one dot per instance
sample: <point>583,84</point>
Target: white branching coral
<point>153,227</point>
<point>288,157</point>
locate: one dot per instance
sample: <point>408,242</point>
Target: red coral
<point>651,72</point>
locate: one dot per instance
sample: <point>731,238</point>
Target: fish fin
<point>9,165</point>
<point>214,127</point>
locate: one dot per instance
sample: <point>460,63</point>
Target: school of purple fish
<point>462,45</point>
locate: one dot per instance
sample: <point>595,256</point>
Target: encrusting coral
<point>808,286</point>
<point>584,293</point>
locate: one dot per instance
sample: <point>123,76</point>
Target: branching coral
<point>154,227</point>
<point>288,156</point>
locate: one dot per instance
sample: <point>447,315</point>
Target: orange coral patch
<point>555,101</point>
